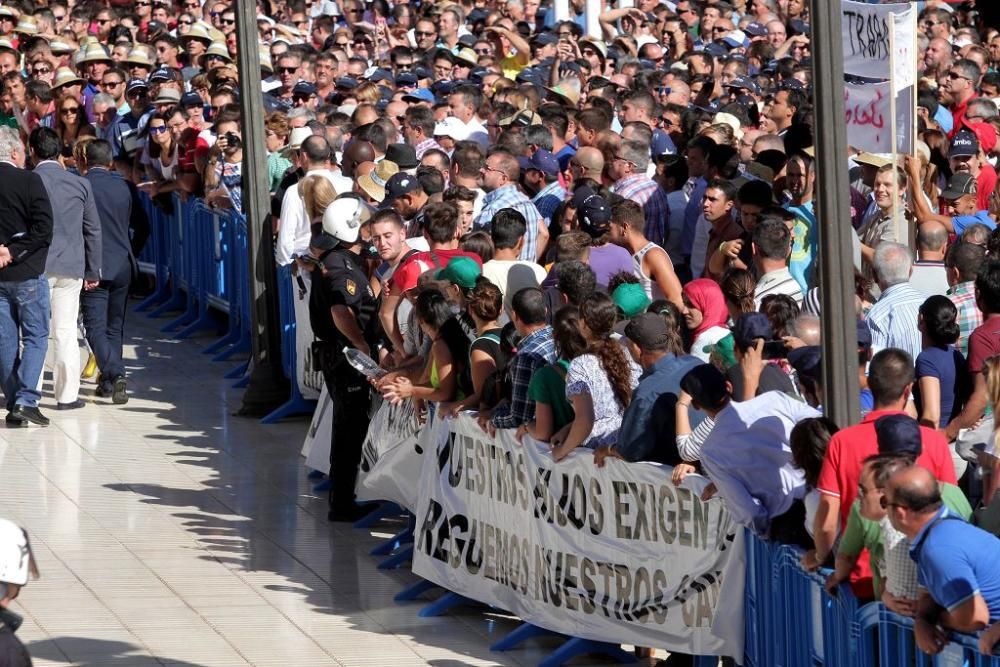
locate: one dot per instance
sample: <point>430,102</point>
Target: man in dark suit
<point>124,230</point>
<point>74,261</point>
<point>25,235</point>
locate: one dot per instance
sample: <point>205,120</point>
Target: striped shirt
<point>963,295</point>
<point>426,145</point>
<point>548,200</point>
<point>893,320</point>
<point>510,197</point>
<point>779,281</point>
<point>648,194</point>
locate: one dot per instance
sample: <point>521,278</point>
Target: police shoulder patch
<point>352,287</point>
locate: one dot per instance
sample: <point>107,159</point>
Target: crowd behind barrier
<point>197,257</point>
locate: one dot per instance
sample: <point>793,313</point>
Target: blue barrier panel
<point>296,403</point>
<point>169,226</point>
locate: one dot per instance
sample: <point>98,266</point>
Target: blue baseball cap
<point>420,95</point>
<point>346,82</point>
<point>543,161</point>
<point>408,79</point>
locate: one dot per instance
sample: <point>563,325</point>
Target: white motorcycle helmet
<point>343,219</point>
<point>16,559</point>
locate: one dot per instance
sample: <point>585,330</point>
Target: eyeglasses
<point>65,111</point>
<point>931,24</point>
<point>288,70</point>
<point>885,504</point>
<point>59,17</point>
<point>159,129</point>
<point>302,22</point>
<point>483,52</point>
<point>143,3</point>
<point>186,22</point>
<point>41,70</point>
<point>103,21</point>
<point>418,33</point>
<point>624,159</point>
<point>486,168</point>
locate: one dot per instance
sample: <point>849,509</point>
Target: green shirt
<point>548,386</point>
<point>862,533</point>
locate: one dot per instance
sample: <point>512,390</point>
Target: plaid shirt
<point>510,197</point>
<point>648,194</point>
<point>548,199</point>
<point>537,349</point>
<point>426,145</point>
<point>963,295</point>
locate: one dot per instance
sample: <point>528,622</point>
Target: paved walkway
<point>169,532</point>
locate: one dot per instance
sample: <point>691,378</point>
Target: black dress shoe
<point>118,394</point>
<point>32,415</point>
<point>14,421</point>
<point>75,405</point>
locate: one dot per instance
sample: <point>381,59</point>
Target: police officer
<point>17,564</point>
<point>342,311</point>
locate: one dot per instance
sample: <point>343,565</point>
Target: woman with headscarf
<point>706,315</point>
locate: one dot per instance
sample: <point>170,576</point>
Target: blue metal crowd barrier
<point>791,621</point>
<point>198,258</point>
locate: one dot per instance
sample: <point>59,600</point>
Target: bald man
<point>958,565</point>
<point>355,153</point>
<point>587,163</point>
<point>929,275</point>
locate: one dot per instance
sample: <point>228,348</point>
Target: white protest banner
<point>307,374</point>
<point>616,554</point>
<point>316,446</point>
<point>392,456</point>
<point>867,114</point>
<point>866,37</point>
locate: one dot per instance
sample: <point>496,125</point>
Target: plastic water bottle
<point>363,364</point>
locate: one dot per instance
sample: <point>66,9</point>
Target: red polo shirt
<point>841,473</point>
<point>958,115</point>
<point>986,183</point>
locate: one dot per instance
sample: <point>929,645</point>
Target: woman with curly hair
<point>599,383</point>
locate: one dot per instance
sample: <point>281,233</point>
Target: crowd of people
<point>605,242</point>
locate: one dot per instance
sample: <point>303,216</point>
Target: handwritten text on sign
<point>866,112</point>
<point>866,40</point>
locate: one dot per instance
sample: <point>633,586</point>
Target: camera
<point>232,140</point>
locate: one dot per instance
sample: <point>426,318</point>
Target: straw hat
<point>6,45</point>
<point>140,55</point>
<point>61,47</point>
<point>66,77</point>
<point>27,25</point>
<point>265,60</point>
<point>218,49</point>
<point>373,183</point>
<point>568,90</point>
<point>94,53</point>
<point>197,31</point>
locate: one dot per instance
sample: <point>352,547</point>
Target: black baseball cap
<point>400,184</point>
<point>592,212</point>
<point>963,144</point>
<point>648,331</point>
<point>960,184</point>
<point>706,385</point>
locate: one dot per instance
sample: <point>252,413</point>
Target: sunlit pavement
<point>170,532</point>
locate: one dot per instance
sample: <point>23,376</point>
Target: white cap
<point>451,127</point>
<point>16,560</point>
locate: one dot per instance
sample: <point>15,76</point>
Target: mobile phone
<point>775,349</point>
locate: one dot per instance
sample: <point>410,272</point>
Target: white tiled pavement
<point>170,532</point>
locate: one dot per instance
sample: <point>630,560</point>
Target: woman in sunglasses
<point>71,124</point>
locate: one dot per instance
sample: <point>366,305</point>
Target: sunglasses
<point>288,70</point>
<point>112,84</point>
<point>41,70</point>
<point>955,75</point>
<point>158,130</point>
<point>424,34</point>
<point>70,110</point>
<point>183,22</point>
<point>228,21</point>
<point>301,98</point>
<point>143,3</point>
<point>483,52</point>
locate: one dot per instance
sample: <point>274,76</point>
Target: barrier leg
<point>295,405</point>
<point>399,539</point>
<point>444,603</point>
<point>242,346</point>
<point>158,296</point>
<point>185,318</point>
<point>230,338</point>
<point>577,646</point>
<point>521,634</point>
<point>177,301</point>
<point>414,591</point>
<point>203,321</point>
<point>397,559</point>
<point>242,383</point>
<point>238,372</point>
<point>384,511</point>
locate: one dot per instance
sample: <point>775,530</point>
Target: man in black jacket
<point>103,307</point>
<point>25,235</point>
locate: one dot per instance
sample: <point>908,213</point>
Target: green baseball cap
<point>461,271</point>
<point>631,299</point>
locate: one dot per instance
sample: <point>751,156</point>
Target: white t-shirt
<point>511,276</point>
